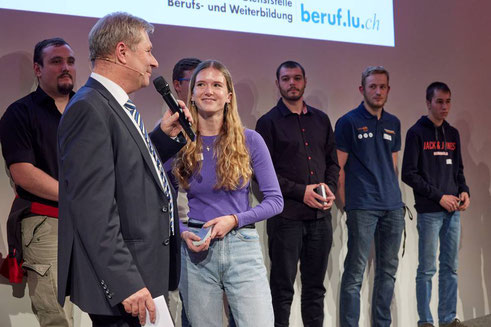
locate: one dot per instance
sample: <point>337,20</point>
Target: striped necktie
<point>130,106</point>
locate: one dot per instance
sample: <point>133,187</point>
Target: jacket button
<point>104,287</point>
<point>166,242</point>
<point>164,209</point>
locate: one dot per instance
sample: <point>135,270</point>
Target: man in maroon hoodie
<point>433,167</point>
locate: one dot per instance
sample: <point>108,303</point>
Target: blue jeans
<point>431,227</point>
<point>233,265</point>
<point>184,318</point>
<point>185,321</point>
<point>385,229</point>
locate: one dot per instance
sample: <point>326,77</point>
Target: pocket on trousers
<point>247,234</point>
<point>42,287</point>
<point>29,230</point>
<point>40,269</point>
<point>194,257</point>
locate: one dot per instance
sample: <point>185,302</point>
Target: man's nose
<point>65,67</point>
<point>154,62</point>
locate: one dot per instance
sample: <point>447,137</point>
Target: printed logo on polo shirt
<point>388,134</point>
<point>364,132</point>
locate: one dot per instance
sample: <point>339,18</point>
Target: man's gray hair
<point>371,70</point>
<point>114,28</point>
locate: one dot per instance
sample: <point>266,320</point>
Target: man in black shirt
<point>301,142</point>
<point>28,136</point>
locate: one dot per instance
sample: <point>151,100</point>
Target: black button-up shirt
<point>28,132</point>
<point>303,151</point>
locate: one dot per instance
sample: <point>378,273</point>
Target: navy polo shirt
<point>371,182</point>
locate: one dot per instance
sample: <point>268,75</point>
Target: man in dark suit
<point>117,240</point>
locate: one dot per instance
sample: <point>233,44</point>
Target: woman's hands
<point>221,226</point>
<point>189,237</point>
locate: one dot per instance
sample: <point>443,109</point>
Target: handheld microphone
<point>163,88</point>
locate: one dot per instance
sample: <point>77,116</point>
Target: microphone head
<point>161,85</point>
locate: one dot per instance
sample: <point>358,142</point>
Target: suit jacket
<point>113,236</point>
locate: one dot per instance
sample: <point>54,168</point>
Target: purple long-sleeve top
<point>206,203</point>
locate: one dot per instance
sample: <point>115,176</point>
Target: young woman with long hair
<point>216,172</point>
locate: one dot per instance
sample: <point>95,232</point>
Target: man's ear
<point>177,86</point>
<point>37,69</point>
<point>120,52</point>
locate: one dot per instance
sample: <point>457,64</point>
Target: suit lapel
<point>134,132</point>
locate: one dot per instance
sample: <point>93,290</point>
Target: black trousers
<point>290,241</point>
<point>126,320</point>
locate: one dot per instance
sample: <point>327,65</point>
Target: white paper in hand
<point>163,318</point>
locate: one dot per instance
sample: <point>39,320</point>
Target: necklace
<point>207,148</point>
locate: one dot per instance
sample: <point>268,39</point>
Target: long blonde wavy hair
<point>233,168</point>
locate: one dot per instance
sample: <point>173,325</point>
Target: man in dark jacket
<point>433,167</point>
<point>119,246</point>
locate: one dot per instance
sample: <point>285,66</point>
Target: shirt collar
<point>41,97</point>
<point>116,91</point>
<point>366,114</point>
<point>285,111</point>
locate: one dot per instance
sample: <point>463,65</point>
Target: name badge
<point>388,137</point>
<point>449,161</point>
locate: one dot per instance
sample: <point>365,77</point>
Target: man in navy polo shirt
<point>368,139</point>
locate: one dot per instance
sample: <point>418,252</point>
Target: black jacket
<point>432,164</point>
